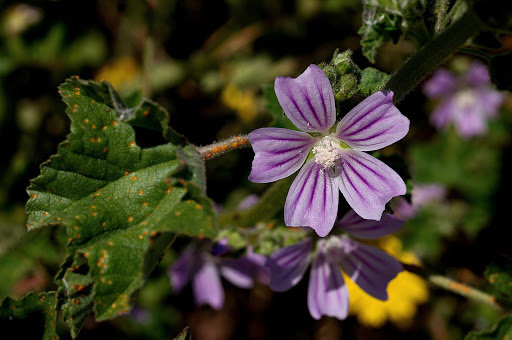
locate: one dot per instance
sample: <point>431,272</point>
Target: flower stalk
<point>432,55</point>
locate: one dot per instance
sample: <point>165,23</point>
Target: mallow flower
<point>467,101</point>
<point>204,266</point>
<point>370,268</point>
<point>332,159</point>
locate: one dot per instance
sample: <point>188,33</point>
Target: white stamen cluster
<point>332,248</point>
<point>326,152</point>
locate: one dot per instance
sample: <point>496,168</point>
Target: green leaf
<point>371,81</point>
<point>387,20</point>
<point>502,330</point>
<point>33,315</point>
<point>499,274</point>
<point>123,184</point>
<point>184,335</point>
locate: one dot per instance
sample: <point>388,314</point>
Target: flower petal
<point>278,153</point>
<point>308,100</point>
<point>373,124</point>
<point>367,183</point>
<point>477,75</point>
<point>181,270</point>
<point>441,83</point>
<point>312,200</point>
<point>207,286</point>
<point>327,292</point>
<point>371,268</point>
<point>491,100</point>
<point>359,227</point>
<point>443,114</point>
<point>237,271</point>
<point>288,265</point>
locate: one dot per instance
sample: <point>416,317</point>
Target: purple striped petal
<point>370,268</point>
<point>441,83</point>
<point>312,200</point>
<point>237,271</point>
<point>288,265</point>
<point>327,292</point>
<point>278,153</point>
<point>181,270</point>
<point>367,183</point>
<point>207,286</point>
<point>373,124</point>
<point>308,100</point>
<point>357,226</point>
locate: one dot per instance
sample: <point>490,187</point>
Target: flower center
<point>465,99</point>
<point>327,151</point>
<point>332,247</point>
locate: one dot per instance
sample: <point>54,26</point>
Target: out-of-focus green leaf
<point>279,119</point>
<point>33,315</point>
<point>121,190</point>
<point>499,274</point>
<point>502,330</point>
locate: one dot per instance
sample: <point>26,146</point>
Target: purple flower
<point>332,160</point>
<point>421,195</point>
<point>467,101</point>
<point>370,268</point>
<point>205,267</point>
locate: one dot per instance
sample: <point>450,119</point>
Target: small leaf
<point>502,330</point>
<point>33,315</point>
<point>372,80</point>
<point>184,335</point>
<point>499,274</point>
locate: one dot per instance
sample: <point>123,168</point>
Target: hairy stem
<point>432,55</point>
<point>219,148</point>
<point>440,13</point>
<point>454,286</point>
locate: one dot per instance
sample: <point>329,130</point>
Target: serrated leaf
<point>387,20</point>
<point>117,189</point>
<point>30,316</point>
<point>502,330</point>
<point>499,274</point>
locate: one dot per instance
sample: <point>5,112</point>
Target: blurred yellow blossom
<point>243,102</point>
<point>19,17</point>
<point>405,292</point>
<point>119,72</point>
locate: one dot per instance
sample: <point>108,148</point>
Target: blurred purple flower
<point>421,195</point>
<point>467,101</point>
<point>204,266</point>
<point>370,268</point>
<point>334,159</point>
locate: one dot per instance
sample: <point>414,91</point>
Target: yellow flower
<point>119,72</point>
<point>243,102</point>
<point>406,292</point>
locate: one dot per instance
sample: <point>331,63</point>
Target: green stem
<point>454,286</point>
<point>270,203</point>
<point>432,55</point>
